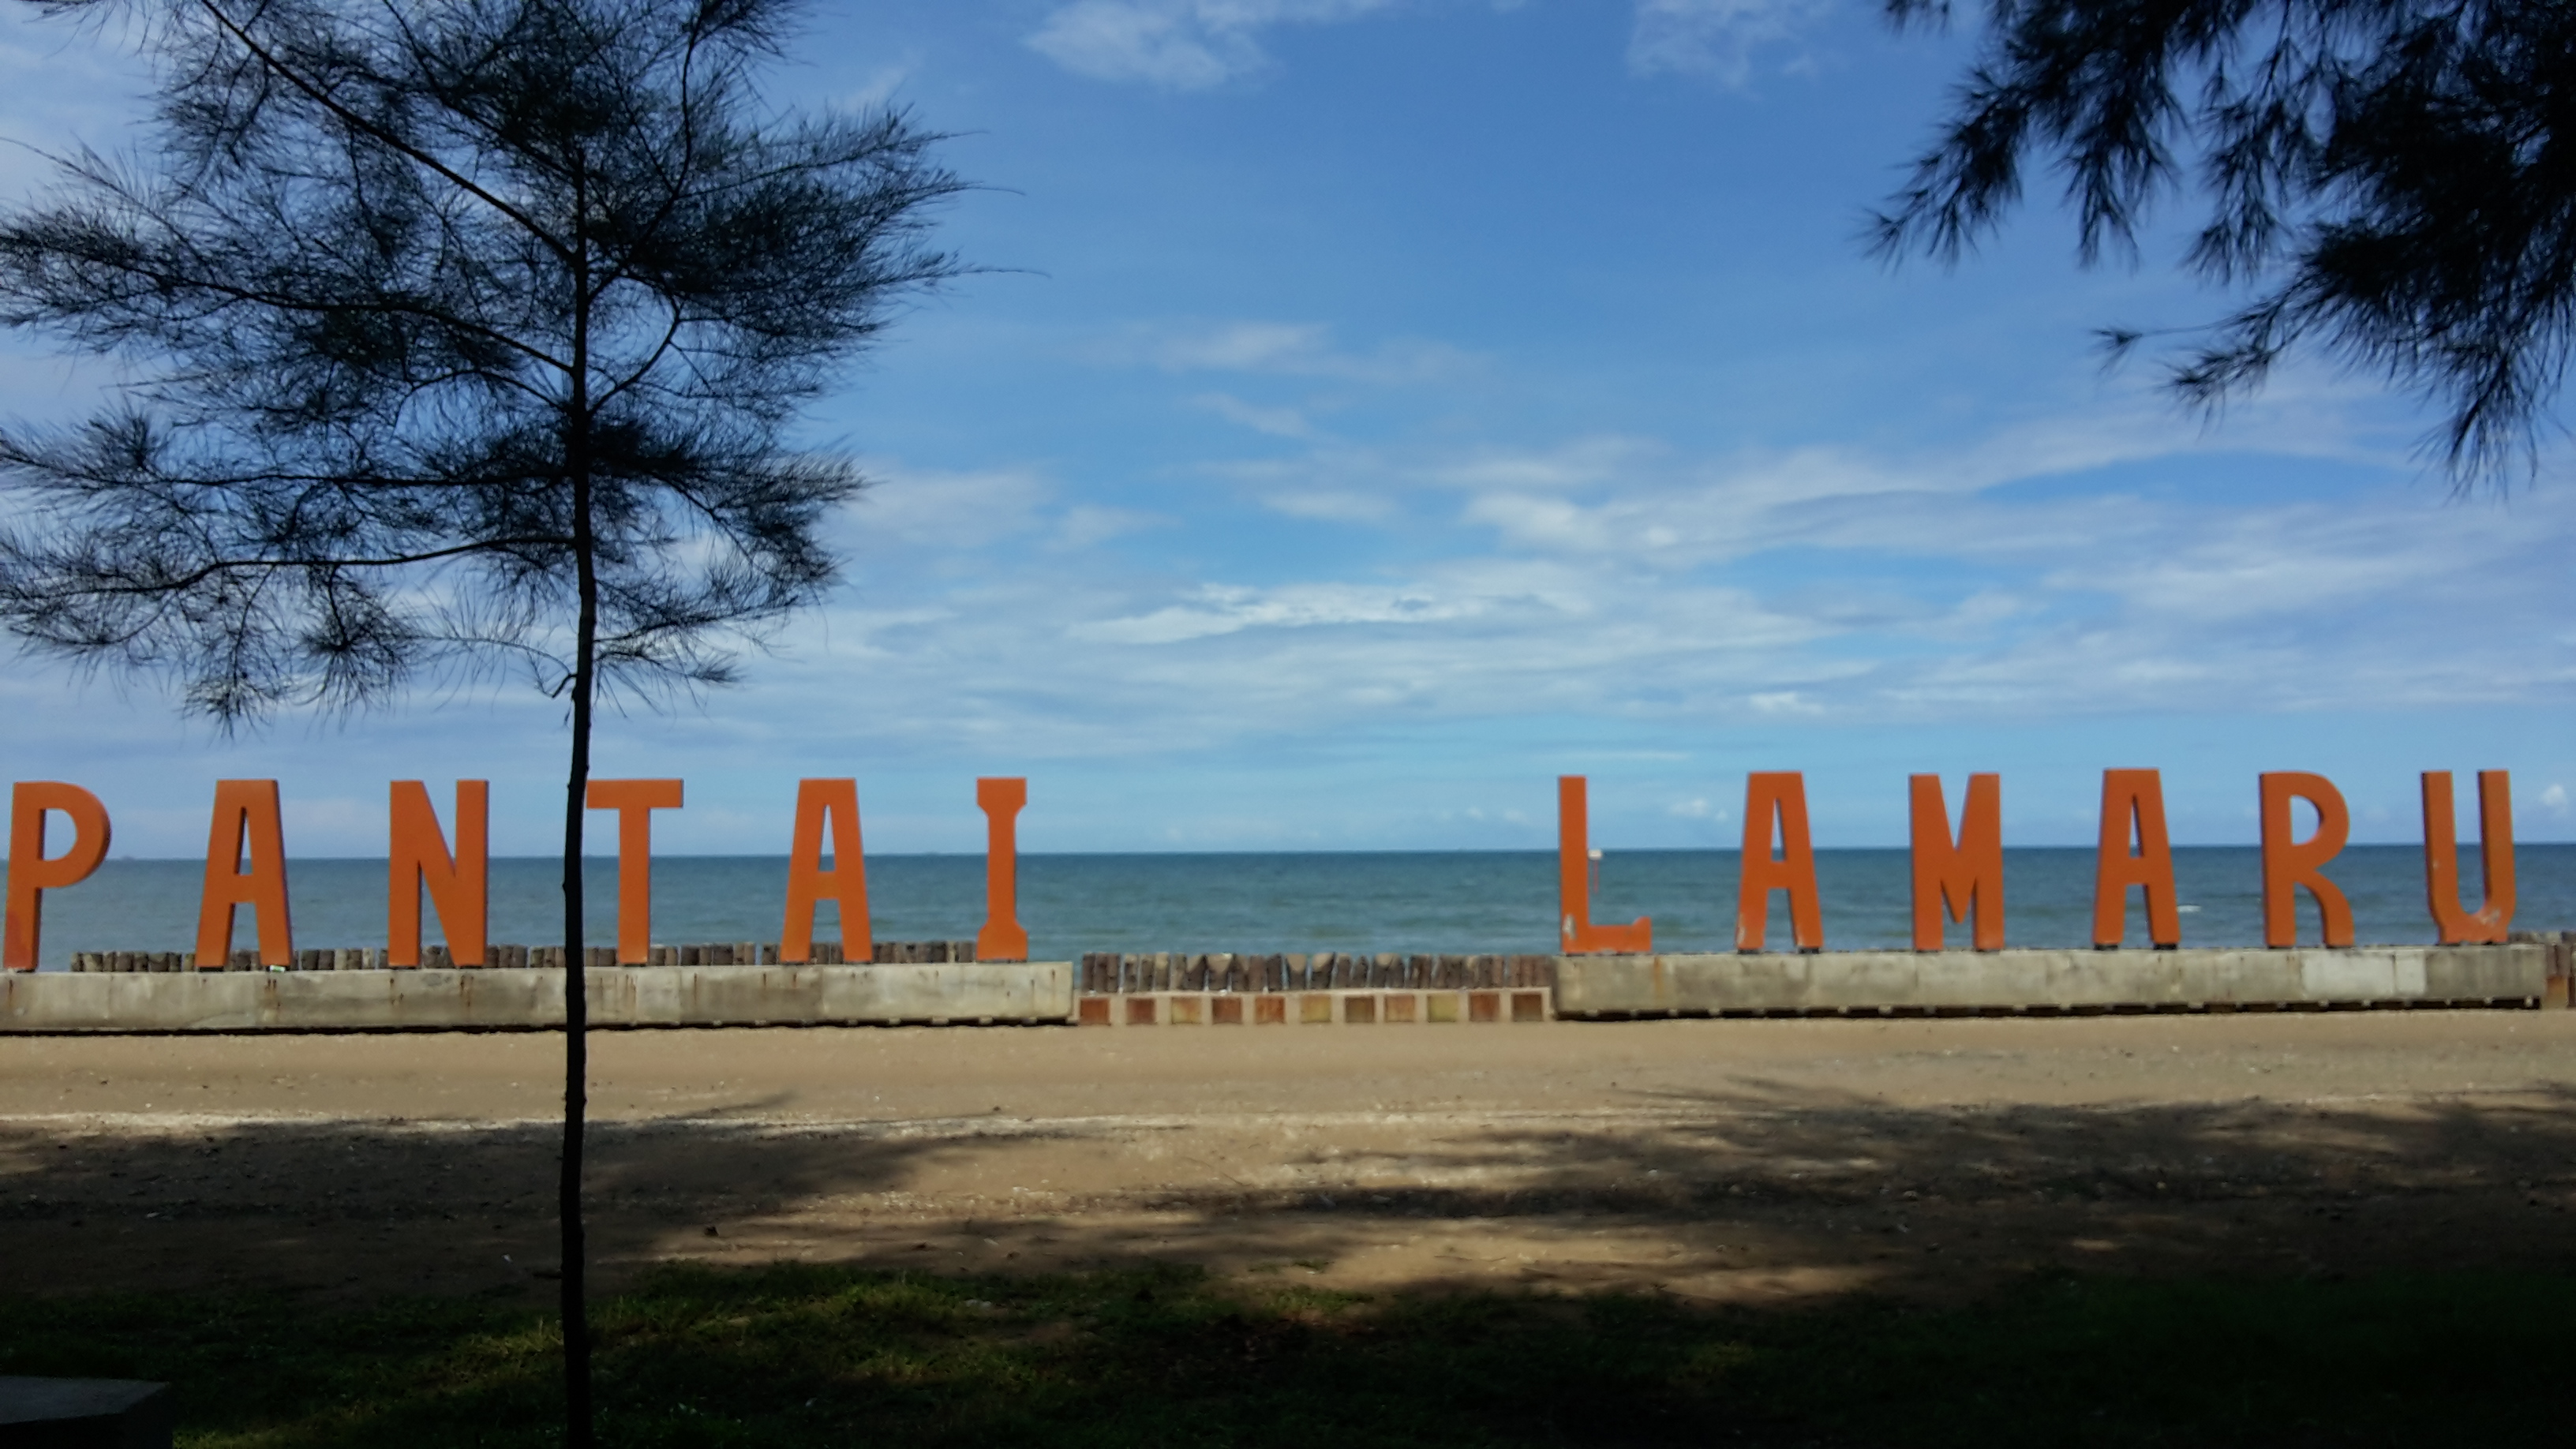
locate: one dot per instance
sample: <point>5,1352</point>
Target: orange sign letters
<point>31,873</point>
<point>245,809</point>
<point>1576,935</point>
<point>1955,878</point>
<point>818,803</point>
<point>2134,796</point>
<point>1962,878</point>
<point>1780,795</point>
<point>2452,925</point>
<point>634,801</point>
<point>1001,801</point>
<point>458,886</point>
<point>2289,864</point>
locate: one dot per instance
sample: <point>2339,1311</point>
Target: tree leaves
<point>2395,180</point>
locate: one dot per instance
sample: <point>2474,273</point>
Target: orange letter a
<point>821,803</point>
<point>2139,796</point>
<point>245,809</point>
<point>1967,877</point>
<point>1779,795</point>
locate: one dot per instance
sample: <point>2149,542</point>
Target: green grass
<point>811,1356</point>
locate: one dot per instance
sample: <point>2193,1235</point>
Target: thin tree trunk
<point>575,1309</point>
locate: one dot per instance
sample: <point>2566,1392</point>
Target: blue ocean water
<point>1447,901</point>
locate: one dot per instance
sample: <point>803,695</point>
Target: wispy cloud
<point>1330,505</point>
<point>1290,349</point>
<point>1182,45</point>
<point>881,84</point>
<point>1716,38</point>
<point>1278,422</point>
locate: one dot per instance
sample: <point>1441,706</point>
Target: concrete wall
<point>2020,980</point>
<point>635,996</point>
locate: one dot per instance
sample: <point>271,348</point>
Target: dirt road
<point>1710,1159</point>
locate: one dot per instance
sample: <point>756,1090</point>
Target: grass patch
<point>804,1356</point>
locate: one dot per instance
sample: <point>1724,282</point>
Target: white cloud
<point>915,508</point>
<point>881,85</point>
<point>1183,45</point>
<point>1783,701</point>
<point>1277,422</point>
<point>1293,349</point>
<point>1087,524</point>
<point>1716,38</point>
<point>1225,610</point>
<point>2554,799</point>
<point>1332,506</point>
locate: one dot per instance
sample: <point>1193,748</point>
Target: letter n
<point>2134,798</point>
<point>458,886</point>
<point>1779,796</point>
<point>2452,925</point>
<point>245,812</point>
<point>1962,878</point>
<point>822,804</point>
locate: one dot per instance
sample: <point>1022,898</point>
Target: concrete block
<point>507,999</point>
<point>85,1414</point>
<point>2016,980</point>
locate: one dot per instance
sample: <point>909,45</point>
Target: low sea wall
<point>428,999</point>
<point>1218,989</point>
<point>1840,982</point>
<point>512,958</point>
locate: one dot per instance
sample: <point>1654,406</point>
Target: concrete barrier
<point>1842,981</point>
<point>523,1000</point>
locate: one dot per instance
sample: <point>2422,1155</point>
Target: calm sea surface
<point>1459,901</point>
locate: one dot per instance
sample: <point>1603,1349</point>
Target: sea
<point>1410,901</point>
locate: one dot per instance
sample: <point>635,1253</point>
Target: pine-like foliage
<point>422,304</point>
<point>458,332</point>
<point>2393,180</point>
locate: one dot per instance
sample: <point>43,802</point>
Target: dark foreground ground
<point>2329,1229</point>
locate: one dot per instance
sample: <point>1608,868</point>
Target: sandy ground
<point>1719,1160</point>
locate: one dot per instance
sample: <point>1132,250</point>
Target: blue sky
<point>1380,407</point>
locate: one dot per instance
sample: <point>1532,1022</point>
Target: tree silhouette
<point>459,335</point>
<point>2395,179</point>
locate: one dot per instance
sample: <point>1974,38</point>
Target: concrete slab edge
<point>960,993</point>
<point>1762,983</point>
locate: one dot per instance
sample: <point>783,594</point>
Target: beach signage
<point>1958,875</point>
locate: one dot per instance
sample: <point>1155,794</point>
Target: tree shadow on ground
<point>1774,1264</point>
<point>1768,1190</point>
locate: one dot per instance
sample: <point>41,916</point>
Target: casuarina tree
<point>453,335</point>
<point>2392,183</point>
